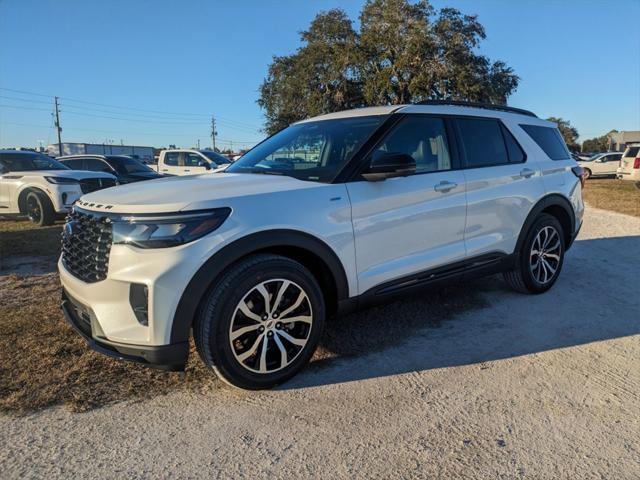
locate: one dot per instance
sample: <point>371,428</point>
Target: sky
<point>153,72</point>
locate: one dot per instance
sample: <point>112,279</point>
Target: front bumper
<point>82,319</point>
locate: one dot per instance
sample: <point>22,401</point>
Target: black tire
<point>213,323</point>
<point>523,277</point>
<point>587,174</point>
<point>39,209</point>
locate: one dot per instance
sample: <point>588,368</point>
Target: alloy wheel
<point>545,256</point>
<point>33,209</point>
<point>271,326</point>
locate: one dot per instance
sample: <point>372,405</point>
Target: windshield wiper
<point>265,171</point>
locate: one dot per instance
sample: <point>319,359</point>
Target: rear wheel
<point>261,322</point>
<point>541,257</point>
<point>587,173</point>
<point>39,209</point>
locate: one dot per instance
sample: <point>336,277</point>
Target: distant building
<point>135,151</point>
<point>618,140</point>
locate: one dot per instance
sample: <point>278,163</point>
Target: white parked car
<point>191,162</point>
<point>331,214</point>
<point>36,185</point>
<point>630,163</point>
<point>601,164</point>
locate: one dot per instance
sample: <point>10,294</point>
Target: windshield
<point>314,151</point>
<point>126,165</point>
<point>26,162</point>
<point>215,157</point>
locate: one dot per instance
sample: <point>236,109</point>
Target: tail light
<point>636,163</point>
<point>581,174</point>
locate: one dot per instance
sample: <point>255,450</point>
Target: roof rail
<point>488,106</point>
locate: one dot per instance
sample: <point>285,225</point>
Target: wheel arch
<point>306,249</point>
<point>557,206</point>
<point>22,196</point>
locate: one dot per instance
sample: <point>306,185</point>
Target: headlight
<point>161,231</point>
<point>61,180</point>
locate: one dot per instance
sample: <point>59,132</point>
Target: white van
<point>629,168</point>
<point>191,162</point>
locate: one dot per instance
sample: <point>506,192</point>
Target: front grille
<point>89,185</point>
<point>86,243</point>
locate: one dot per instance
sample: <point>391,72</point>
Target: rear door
<point>403,226</point>
<point>502,185</point>
<point>171,163</point>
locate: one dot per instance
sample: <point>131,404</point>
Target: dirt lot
<point>473,381</point>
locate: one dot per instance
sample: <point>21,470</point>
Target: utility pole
<point>198,144</point>
<point>213,132</point>
<point>58,127</point>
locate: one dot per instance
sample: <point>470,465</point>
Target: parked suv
<point>36,185</point>
<point>630,163</point>
<point>191,162</point>
<point>123,167</point>
<point>329,215</point>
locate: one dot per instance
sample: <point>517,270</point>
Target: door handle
<point>527,172</point>
<point>165,169</point>
<point>186,170</point>
<point>445,186</point>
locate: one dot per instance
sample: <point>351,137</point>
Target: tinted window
<point>216,157</point>
<point>96,165</point>
<point>25,162</point>
<point>482,142</point>
<point>632,152</point>
<point>423,138</point>
<point>549,140</point>
<point>127,165</point>
<point>75,164</point>
<point>314,151</point>
<point>171,158</point>
<point>194,160</point>
<point>516,155</point>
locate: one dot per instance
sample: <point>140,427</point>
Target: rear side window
<point>549,140</point>
<point>516,154</point>
<point>632,152</point>
<point>482,142</point>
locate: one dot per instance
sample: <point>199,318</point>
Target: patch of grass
<point>21,237</point>
<point>615,195</point>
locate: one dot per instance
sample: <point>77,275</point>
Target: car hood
<point>190,192</point>
<point>75,174</point>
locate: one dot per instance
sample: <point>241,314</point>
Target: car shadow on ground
<point>595,299</point>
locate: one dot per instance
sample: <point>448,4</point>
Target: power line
<point>68,99</point>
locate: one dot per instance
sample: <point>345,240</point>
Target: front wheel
<point>541,258</point>
<point>39,209</point>
<point>587,173</point>
<point>261,322</point>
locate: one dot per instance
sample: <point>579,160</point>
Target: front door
<point>195,163</point>
<point>407,225</point>
<point>171,164</point>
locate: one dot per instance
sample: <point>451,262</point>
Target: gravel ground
<point>525,387</point>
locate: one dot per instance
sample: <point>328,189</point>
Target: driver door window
<point>423,138</point>
<point>194,163</point>
<point>95,165</point>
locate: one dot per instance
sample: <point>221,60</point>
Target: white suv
<point>35,185</point>
<point>331,214</point>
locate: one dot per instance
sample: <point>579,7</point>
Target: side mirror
<point>390,165</point>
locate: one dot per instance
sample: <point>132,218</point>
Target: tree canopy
<point>404,52</point>
<point>597,144</point>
